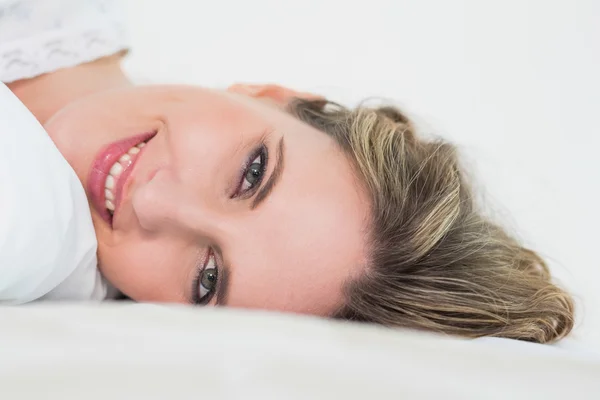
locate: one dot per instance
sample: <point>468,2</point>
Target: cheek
<point>158,270</point>
<point>81,130</point>
<point>211,132</point>
<point>197,141</point>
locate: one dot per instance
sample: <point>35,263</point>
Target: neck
<point>45,95</point>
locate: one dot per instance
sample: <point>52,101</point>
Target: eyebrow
<point>268,187</point>
<point>262,194</point>
<point>223,286</point>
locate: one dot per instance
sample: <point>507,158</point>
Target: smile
<point>110,172</point>
<point>116,171</point>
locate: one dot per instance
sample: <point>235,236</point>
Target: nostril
<point>152,174</point>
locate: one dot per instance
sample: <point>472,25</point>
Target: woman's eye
<point>208,281</point>
<point>254,173</point>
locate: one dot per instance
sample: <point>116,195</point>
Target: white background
<point>514,83</point>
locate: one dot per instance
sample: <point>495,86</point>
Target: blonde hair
<point>436,262</point>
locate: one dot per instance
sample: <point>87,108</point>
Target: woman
<point>263,197</point>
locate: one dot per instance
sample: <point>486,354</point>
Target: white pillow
<point>143,351</point>
<point>47,240</point>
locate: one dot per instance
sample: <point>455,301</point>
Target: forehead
<point>308,238</point>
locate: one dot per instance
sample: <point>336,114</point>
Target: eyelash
<point>202,267</point>
<point>260,153</point>
<point>263,154</point>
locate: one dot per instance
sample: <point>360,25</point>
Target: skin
<point>293,252</point>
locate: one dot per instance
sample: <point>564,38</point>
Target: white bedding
<point>47,241</point>
<point>131,351</point>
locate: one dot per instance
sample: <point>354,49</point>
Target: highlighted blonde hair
<point>436,262</point>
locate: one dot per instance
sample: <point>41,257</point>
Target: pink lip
<point>101,167</point>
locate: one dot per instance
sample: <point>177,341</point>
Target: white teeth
<point>114,173</point>
<point>116,169</point>
<point>110,182</point>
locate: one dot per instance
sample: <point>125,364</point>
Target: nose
<point>165,204</point>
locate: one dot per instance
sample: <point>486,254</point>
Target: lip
<point>101,167</point>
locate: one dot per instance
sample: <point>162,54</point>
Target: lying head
<point>434,261</point>
<point>266,198</point>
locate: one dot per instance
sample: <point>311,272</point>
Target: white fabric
<point>143,351</point>
<point>40,36</point>
<point>47,240</point>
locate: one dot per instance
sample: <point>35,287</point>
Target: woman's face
<point>231,201</point>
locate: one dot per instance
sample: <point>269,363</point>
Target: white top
<point>47,240</point>
<point>40,36</point>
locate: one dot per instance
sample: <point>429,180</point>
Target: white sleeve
<point>41,36</point>
<point>47,240</point>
